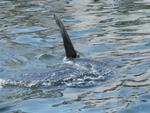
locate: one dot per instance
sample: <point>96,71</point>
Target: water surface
<point>115,32</point>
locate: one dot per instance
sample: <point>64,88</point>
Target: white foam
<point>2,82</point>
<point>67,61</point>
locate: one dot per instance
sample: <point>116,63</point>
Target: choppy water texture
<point>113,75</point>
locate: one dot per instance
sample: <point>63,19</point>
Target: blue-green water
<point>114,32</point>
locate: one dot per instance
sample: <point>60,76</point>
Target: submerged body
<point>79,72</point>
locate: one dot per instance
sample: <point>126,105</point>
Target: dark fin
<point>69,49</point>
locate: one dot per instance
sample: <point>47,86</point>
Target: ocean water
<point>112,37</point>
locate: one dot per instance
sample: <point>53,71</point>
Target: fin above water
<point>69,49</point>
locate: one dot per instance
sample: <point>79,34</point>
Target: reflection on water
<point>114,30</point>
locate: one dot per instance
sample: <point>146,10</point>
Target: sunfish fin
<point>69,49</point>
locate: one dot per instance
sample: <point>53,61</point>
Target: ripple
<point>143,106</point>
<point>32,9</point>
<point>147,40</point>
<point>25,39</point>
<point>25,30</point>
<point>32,40</point>
<point>135,69</point>
<point>96,48</point>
